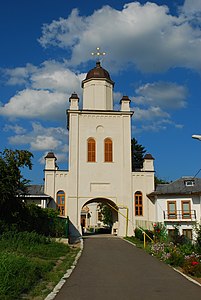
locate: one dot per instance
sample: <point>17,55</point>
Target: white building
<point>179,204</point>
<point>100,161</point>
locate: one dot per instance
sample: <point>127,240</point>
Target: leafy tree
<point>107,214</point>
<point>12,182</point>
<point>137,155</point>
<point>159,181</point>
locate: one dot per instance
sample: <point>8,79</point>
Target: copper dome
<point>98,72</point>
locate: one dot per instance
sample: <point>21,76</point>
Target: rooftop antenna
<point>98,54</point>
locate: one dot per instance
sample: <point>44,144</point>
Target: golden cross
<point>98,53</point>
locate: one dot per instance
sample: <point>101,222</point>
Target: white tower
<point>100,160</point>
<point>100,148</point>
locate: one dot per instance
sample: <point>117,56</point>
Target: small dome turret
<point>98,73</point>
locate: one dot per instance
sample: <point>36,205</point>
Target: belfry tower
<point>100,158</point>
<point>99,147</point>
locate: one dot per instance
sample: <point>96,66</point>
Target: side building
<point>179,204</point>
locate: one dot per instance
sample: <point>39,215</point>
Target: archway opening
<point>99,216</point>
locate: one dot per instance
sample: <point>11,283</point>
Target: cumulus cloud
<point>145,35</point>
<point>153,103</point>
<point>31,103</point>
<point>48,88</point>
<point>20,139</point>
<point>14,128</point>
<point>167,95</point>
<point>155,126</point>
<point>191,7</point>
<point>150,113</point>
<point>43,142</point>
<point>19,75</point>
<point>42,138</point>
<point>57,77</point>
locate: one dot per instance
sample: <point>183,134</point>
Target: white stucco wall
<point>144,182</point>
<point>161,205</point>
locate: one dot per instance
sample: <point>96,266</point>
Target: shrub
<point>43,221</point>
<point>198,239</point>
<point>160,232</point>
<point>192,265</point>
<point>175,258</point>
<point>139,234</point>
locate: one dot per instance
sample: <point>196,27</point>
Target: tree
<point>12,182</point>
<point>106,212</point>
<point>137,155</point>
<point>159,181</point>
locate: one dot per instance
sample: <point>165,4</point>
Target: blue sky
<point>153,55</point>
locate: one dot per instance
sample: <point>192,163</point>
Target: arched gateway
<point>91,216</point>
<point>100,158</point>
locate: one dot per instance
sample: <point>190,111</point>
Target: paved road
<point>112,269</point>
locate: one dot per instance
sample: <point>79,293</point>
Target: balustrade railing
<point>179,215</point>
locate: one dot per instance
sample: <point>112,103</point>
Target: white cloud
<point>191,7</point>
<point>15,128</point>
<point>67,31</point>
<point>147,36</point>
<point>31,103</point>
<point>57,77</point>
<point>43,142</point>
<point>164,94</point>
<point>20,139</point>
<point>19,75</point>
<point>151,113</point>
<point>42,138</point>
<point>48,88</point>
<point>58,132</point>
<point>155,126</point>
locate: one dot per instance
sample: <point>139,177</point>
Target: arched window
<point>138,204</point>
<point>91,150</point>
<point>61,202</point>
<point>108,150</point>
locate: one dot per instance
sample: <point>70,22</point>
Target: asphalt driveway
<point>112,269</point>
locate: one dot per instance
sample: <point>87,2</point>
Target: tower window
<point>61,202</point>
<point>138,204</point>
<point>91,150</point>
<point>108,150</point>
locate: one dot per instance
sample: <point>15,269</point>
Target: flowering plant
<point>192,265</point>
<point>160,232</point>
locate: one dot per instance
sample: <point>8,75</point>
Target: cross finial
<point>98,53</point>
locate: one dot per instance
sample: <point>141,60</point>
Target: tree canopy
<point>137,155</point>
<point>159,181</point>
<point>106,212</point>
<point>12,182</point>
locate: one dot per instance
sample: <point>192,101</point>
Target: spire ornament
<point>98,53</point>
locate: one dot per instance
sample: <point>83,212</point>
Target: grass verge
<point>31,265</point>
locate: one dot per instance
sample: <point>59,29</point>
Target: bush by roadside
<point>34,218</point>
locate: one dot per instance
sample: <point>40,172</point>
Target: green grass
<point>135,241</point>
<point>31,264</point>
